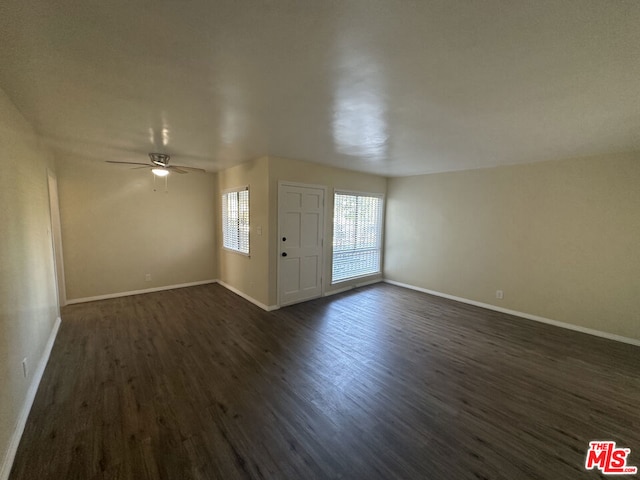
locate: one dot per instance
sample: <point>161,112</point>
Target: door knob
<point>284,254</point>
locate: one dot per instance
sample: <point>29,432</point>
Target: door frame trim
<point>324,188</point>
<point>56,237</point>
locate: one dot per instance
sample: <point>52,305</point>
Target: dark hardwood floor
<point>377,383</point>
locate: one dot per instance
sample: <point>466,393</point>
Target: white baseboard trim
<point>268,308</point>
<point>528,316</point>
<point>137,292</point>
<point>351,287</point>
<point>5,468</point>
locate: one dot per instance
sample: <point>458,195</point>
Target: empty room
<point>359,239</point>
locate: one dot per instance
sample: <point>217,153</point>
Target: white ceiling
<point>393,87</point>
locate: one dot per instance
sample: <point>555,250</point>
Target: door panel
<point>300,242</point>
<point>309,272</point>
<point>290,275</point>
<point>310,230</point>
<point>292,229</point>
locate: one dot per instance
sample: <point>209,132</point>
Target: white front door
<point>300,245</point>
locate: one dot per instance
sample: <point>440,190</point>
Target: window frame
<point>379,233</point>
<point>226,192</point>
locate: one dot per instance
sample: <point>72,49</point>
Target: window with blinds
<point>357,235</point>
<point>235,220</point>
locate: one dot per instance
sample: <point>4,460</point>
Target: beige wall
<point>249,274</point>
<point>281,169</point>
<point>562,239</point>
<point>116,228</point>
<point>28,303</point>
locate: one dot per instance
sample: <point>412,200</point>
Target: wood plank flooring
<point>377,383</point>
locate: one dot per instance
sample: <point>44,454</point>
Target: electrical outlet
<point>499,294</point>
<point>147,277</point>
<point>25,368</point>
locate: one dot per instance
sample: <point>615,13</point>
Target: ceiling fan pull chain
<point>166,184</point>
<point>154,183</point>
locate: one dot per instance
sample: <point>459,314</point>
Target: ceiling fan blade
<point>128,163</point>
<point>176,169</point>
<point>191,169</point>
<point>138,168</point>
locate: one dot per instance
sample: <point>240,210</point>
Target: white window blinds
<point>357,235</point>
<point>235,220</point>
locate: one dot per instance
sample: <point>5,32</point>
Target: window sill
<point>359,277</point>
<point>237,252</point>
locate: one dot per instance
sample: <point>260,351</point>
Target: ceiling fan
<point>160,165</point>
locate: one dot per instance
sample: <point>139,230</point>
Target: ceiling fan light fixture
<point>160,159</point>
<point>160,172</point>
